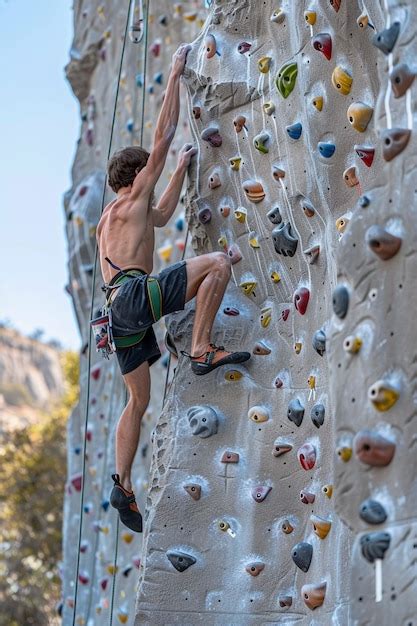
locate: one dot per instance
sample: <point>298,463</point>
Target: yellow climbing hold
<point>222,241</point>
<point>297,347</point>
<point>165,252</point>
<point>240,214</point>
<point>235,163</point>
<point>233,375</point>
<point>311,382</point>
<point>352,344</point>
<point>122,616</point>
<point>363,20</point>
<point>327,490</point>
<point>266,315</point>
<point>383,395</point>
<point>248,286</point>
<point>359,116</point>
<point>223,525</point>
<point>310,17</point>
<point>190,17</point>
<point>112,569</point>
<point>258,414</point>
<point>264,64</point>
<point>341,80</point>
<point>275,277</point>
<point>127,537</point>
<point>321,526</point>
<point>253,239</point>
<point>318,102</point>
<point>345,453</point>
<point>341,224</point>
<point>269,108</point>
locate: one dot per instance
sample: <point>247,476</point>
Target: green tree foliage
<point>32,479</point>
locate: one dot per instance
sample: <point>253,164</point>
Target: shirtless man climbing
<point>125,236</point>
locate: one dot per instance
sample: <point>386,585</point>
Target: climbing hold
<point>204,215</point>
<point>323,43</point>
<point>275,277</point>
<point>373,449</point>
<point>233,375</point>
<point>352,344</point>
<point>365,154</point>
<point>350,176</point>
<point>203,421</point>
<point>265,318</point>
<point>284,314</point>
<point>294,131</point>
<point>307,207</point>
<point>326,149</point>
<point>225,211</point>
<point>84,578</point>
<point>306,497</point>
<point>386,39</point>
<point>401,78</point>
<point>196,112</point>
<point>383,395</point>
<point>223,525</point>
<point>374,545</point>
<point>258,414</point>
<point>239,122</point>
<point>214,181</point>
<point>180,560</point>
<point>240,214</point>
<point>278,16</point>
<point>286,78</point>
<point>77,481</point>
<point>269,108</point>
<point>340,301</point>
<point>222,241</point>
<point>363,21</point>
<point>301,298</point>
<point>295,411</point>
<point>262,141</point>
<point>298,347</point>
<point>359,116</point>
<point>285,601</point>
<point>254,191</point>
<point>335,4</point>
<point>248,287</point>
<point>212,136</point>
<point>234,254</point>
<point>313,595</point>
<point>158,78</point>
<point>345,453</point>
<point>274,216</point>
<point>394,141</point>
<point>278,172</point>
<point>307,456</point>
<point>286,527</point>
<point>317,415</point>
<point>284,241</point>
<point>122,616</point>
<point>317,102</point>
<point>260,492</point>
<point>244,47</point>
<point>254,569</point>
<point>312,254</point>
<point>261,348</point>
<point>230,457</point>
<point>341,80</point>
<point>327,490</point>
<point>310,17</point>
<point>264,64</point>
<point>382,243</point>
<point>210,46</point>
<point>281,447</point>
<point>235,163</point>
<point>364,202</point>
<point>372,512</point>
<point>194,490</point>
<point>321,526</point>
<point>253,239</point>
<point>229,310</point>
<point>302,553</point>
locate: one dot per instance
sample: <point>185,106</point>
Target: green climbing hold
<point>285,81</point>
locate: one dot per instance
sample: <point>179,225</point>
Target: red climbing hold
<point>307,456</point>
<point>301,298</point>
<point>365,154</point>
<point>323,43</point>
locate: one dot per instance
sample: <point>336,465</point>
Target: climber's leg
<point>122,498</point>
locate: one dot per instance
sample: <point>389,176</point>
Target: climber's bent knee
<point>199,267</point>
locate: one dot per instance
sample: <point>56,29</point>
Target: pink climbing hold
<point>307,456</point>
<point>306,497</point>
<point>84,578</point>
<point>77,481</point>
<point>301,298</point>
<point>155,48</point>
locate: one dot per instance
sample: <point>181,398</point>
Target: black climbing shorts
<point>131,313</point>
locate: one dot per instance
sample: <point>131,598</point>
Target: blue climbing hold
<point>179,224</point>
<point>294,131</point>
<point>326,149</point>
<point>139,80</point>
<point>150,89</point>
<point>105,505</point>
<point>158,78</point>
<point>130,125</point>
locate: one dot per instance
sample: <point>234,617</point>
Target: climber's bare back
<point>125,234</point>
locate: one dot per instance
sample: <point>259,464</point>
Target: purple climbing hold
<point>204,216</point>
<point>244,47</point>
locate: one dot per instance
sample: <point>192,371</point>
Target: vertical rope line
<point>93,283</point>
<point>145,65</point>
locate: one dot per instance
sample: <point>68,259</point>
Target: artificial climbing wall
<point>241,526</point>
<point>372,349</point>
<point>105,580</point>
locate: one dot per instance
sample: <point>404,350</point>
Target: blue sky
<point>39,125</point>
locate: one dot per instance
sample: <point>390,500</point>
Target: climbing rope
<point>91,315</point>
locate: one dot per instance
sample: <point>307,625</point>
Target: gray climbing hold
<point>394,141</point>
<point>295,412</point>
<point>274,216</point>
<point>204,215</point>
<point>212,136</point>
<point>374,545</point>
<point>302,554</point>
<point>284,241</point>
<point>385,40</point>
<point>319,341</point>
<point>340,301</point>
<point>317,415</point>
<point>372,512</point>
<point>312,254</point>
<point>193,490</point>
<point>180,560</point>
<point>401,78</point>
<point>203,421</point>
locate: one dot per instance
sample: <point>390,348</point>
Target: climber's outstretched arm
<point>166,126</point>
<point>169,199</point>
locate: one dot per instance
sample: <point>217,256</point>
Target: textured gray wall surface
<point>372,349</point>
<point>92,72</point>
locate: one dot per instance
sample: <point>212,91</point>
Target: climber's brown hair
<point>124,165</point>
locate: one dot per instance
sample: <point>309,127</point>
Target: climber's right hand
<point>179,59</point>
